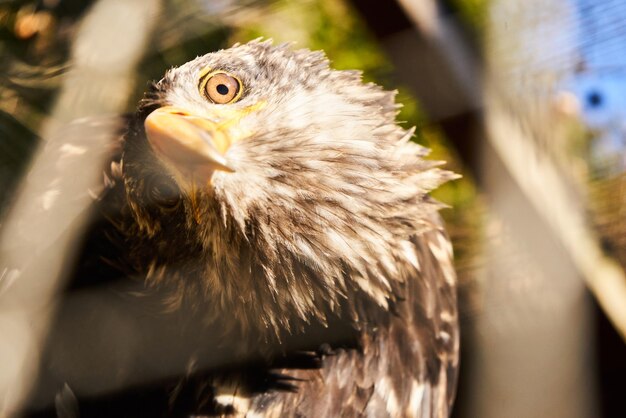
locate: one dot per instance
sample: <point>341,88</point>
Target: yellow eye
<point>220,87</point>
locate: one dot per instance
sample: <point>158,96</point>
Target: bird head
<point>272,189</point>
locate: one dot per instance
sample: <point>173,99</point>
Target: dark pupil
<point>222,89</point>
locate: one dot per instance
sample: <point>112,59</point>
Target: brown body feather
<point>404,368</point>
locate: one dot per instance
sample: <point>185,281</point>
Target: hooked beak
<point>193,145</point>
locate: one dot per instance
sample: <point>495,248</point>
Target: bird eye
<point>221,88</point>
<point>163,192</point>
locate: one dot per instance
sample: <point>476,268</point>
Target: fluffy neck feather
<point>317,216</point>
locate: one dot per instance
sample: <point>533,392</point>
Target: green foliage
<point>474,13</point>
<point>31,62</point>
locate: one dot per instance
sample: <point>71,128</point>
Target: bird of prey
<point>270,192</point>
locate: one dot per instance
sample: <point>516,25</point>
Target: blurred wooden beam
<point>111,338</point>
<point>522,331</point>
<point>51,208</point>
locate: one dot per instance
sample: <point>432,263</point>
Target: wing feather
<point>406,368</point>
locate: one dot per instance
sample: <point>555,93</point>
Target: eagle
<point>268,193</point>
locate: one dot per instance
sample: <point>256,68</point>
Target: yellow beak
<point>195,146</point>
